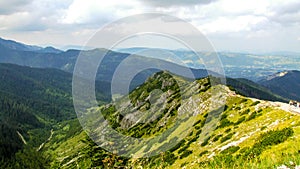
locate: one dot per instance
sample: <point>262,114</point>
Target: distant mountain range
<point>26,55</point>
<point>17,53</point>
<point>236,65</point>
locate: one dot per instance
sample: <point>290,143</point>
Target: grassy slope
<point>270,119</point>
<point>78,150</point>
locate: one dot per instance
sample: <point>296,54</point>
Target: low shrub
<point>217,137</point>
<point>224,123</point>
<point>205,142</point>
<point>240,120</point>
<point>227,137</point>
<point>203,153</point>
<point>228,130</point>
<point>185,154</point>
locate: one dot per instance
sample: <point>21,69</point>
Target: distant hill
<point>41,58</point>
<point>17,46</point>
<point>13,45</point>
<point>49,49</point>
<point>286,84</point>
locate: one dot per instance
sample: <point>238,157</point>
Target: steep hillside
<point>248,88</point>
<point>188,124</point>
<point>286,84</point>
<point>45,87</point>
<point>32,102</point>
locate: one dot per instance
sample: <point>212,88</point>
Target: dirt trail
<point>50,137</point>
<point>21,137</point>
<point>283,106</point>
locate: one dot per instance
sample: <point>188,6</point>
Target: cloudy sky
<point>231,25</point>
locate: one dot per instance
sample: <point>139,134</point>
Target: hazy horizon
<point>77,47</point>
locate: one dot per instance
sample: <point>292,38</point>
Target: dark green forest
<point>32,102</point>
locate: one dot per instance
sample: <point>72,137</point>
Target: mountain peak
<point>50,49</point>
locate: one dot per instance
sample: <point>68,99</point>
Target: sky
<point>230,25</point>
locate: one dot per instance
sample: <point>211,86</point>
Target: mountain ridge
<point>13,45</point>
<point>18,46</point>
<point>244,128</point>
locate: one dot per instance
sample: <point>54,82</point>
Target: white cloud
<point>255,7</point>
<point>99,12</point>
<point>224,16</point>
<point>236,24</point>
<point>38,16</point>
<point>21,21</point>
<point>168,3</point>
